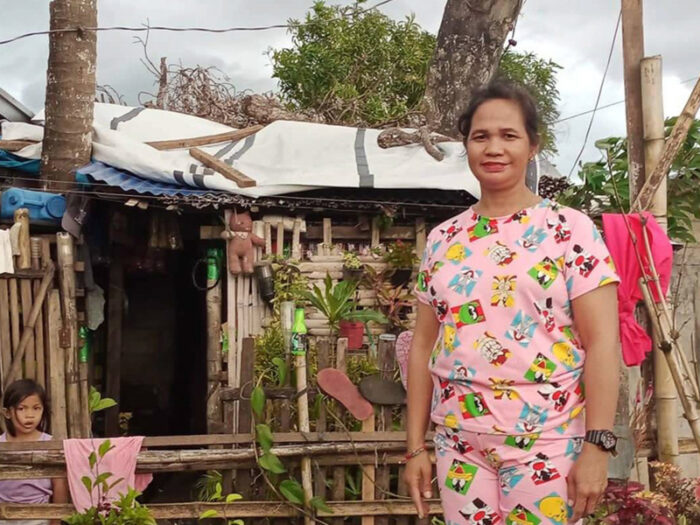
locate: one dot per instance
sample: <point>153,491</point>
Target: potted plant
<point>400,258</point>
<point>352,267</point>
<point>338,306</point>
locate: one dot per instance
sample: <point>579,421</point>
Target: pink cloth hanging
<point>120,461</point>
<point>636,343</point>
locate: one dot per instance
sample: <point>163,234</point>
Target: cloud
<point>577,36</point>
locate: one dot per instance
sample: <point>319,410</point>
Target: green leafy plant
<point>400,255</point>
<point>126,510</point>
<point>290,283</point>
<point>606,180</point>
<point>269,348</point>
<point>96,402</point>
<point>337,303</point>
<point>393,300</point>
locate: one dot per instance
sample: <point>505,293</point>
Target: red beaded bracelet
<point>414,453</point>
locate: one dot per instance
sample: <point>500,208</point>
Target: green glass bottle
<point>84,350</point>
<point>299,341</point>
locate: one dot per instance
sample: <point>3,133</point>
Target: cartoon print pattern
<point>509,359</point>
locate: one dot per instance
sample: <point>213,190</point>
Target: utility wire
<point>175,29</point>
<point>600,91</point>
<point>607,105</point>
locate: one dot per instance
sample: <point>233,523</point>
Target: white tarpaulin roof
<point>283,157</point>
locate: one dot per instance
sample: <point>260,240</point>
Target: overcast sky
<point>576,34</point>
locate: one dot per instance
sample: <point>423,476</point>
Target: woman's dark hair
<point>503,90</point>
<point>17,392</point>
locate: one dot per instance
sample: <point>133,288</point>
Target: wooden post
<point>327,236</point>
<point>322,353</point>
<point>303,414</point>
<point>338,492</point>
<point>280,238</point>
<point>66,278</point>
<point>375,239</point>
<point>115,319</point>
<point>24,262</point>
<point>369,472</point>
<point>633,51</point>
<point>421,236</point>
<point>296,239</point>
<point>5,338</point>
<point>387,363</point>
<point>245,417</point>
<point>56,357</point>
<point>664,387</point>
<point>35,244</point>
<point>213,302</point>
<point>268,238</point>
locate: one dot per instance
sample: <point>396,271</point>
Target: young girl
<point>25,417</point>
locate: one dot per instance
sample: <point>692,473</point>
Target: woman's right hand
<point>418,475</point>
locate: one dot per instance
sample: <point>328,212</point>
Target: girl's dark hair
<point>17,392</point>
<point>503,90</point>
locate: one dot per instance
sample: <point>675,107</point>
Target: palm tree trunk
<point>70,91</point>
<point>469,47</point>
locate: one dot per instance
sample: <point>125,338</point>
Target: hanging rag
<point>636,343</point>
<point>6,263</point>
<point>120,461</point>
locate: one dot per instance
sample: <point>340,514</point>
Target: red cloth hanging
<point>636,343</point>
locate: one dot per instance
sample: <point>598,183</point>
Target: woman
<point>517,308</point>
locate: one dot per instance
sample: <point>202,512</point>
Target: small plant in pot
<point>352,267</point>
<point>338,306</point>
<point>400,258</point>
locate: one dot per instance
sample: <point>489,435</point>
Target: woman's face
<point>498,147</point>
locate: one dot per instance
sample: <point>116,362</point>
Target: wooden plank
<point>326,235</point>
<point>25,288</point>
<point>404,233</point>
<point>386,363</point>
<point>228,136</point>
<point>115,320</point>
<point>320,473</point>
<point>268,238</point>
<point>13,288</point>
<point>280,239</point>
<point>231,173</point>
<point>245,414</point>
<point>56,358</point>
<point>23,274</point>
<point>5,337</point>
<point>213,310</point>
<point>15,145</point>
<point>368,474</point>
<point>421,236</point>
<point>236,509</point>
<point>338,487</point>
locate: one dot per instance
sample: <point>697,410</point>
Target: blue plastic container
<point>42,206</point>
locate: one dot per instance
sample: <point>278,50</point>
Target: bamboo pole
<point>14,313</point>
<point>338,489</point>
<point>35,243</point>
<point>5,338</point>
<point>303,415</point>
<point>268,238</point>
<point>56,358</point>
<point>653,132</point>
<point>280,239</point>
<point>296,239</point>
<point>375,233</point>
<point>213,304</point>
<point>236,509</point>
<point>24,262</point>
<point>66,279</point>
<point>327,236</point>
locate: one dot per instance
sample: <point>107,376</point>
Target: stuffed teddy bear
<point>241,239</point>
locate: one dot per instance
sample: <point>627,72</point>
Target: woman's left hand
<point>587,481</point>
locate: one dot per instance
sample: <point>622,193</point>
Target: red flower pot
<point>354,331</point>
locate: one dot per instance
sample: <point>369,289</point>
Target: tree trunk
<point>469,47</point>
<point>70,91</point>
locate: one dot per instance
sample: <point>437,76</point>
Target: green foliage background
<point>362,68</point>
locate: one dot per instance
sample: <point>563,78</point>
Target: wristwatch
<point>603,439</point>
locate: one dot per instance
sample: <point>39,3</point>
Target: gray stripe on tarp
<point>126,116</point>
<point>198,180</point>
<point>249,141</point>
<point>223,151</point>
<point>366,178</point>
<point>179,177</point>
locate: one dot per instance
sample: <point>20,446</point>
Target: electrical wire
<point>600,91</point>
<point>608,105</point>
<point>174,29</point>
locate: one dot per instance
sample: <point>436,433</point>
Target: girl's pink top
<point>26,490</point>
<point>508,359</point>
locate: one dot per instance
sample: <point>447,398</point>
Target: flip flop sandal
<point>382,391</point>
<point>402,347</point>
<point>338,385</point>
